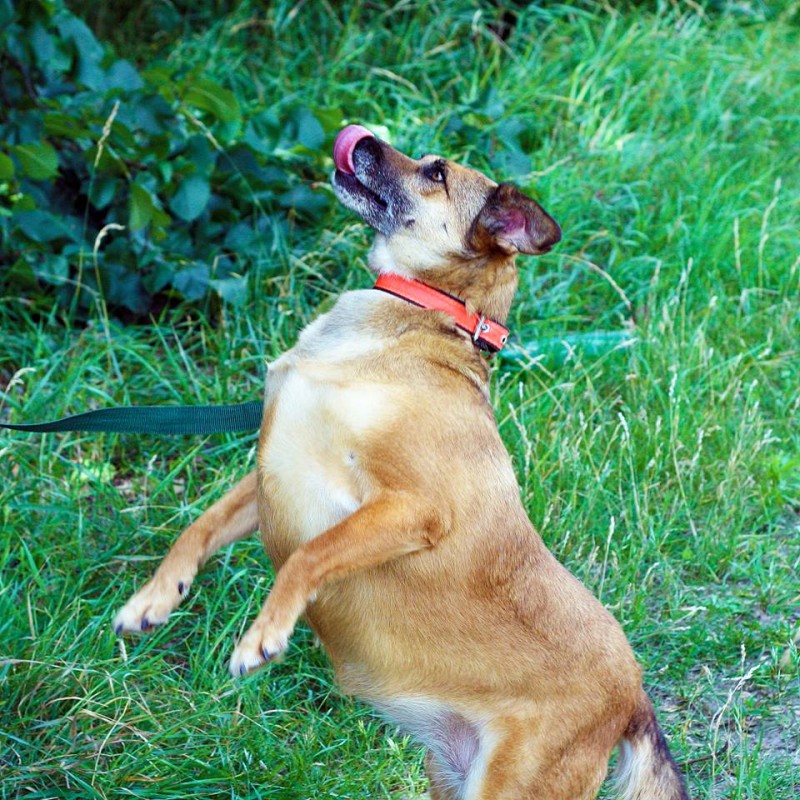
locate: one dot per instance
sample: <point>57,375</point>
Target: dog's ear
<point>514,223</point>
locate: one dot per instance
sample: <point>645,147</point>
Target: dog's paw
<point>258,647</point>
<point>151,605</point>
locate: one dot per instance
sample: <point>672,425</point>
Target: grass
<point>664,473</point>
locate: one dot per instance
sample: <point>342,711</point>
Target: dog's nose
<point>367,149</point>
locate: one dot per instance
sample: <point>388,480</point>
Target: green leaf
<point>240,236</point>
<point>103,190</point>
<point>209,96</point>
<point>243,159</point>
<point>108,160</point>
<point>141,208</point>
<point>58,124</point>
<point>192,197</point>
<point>78,32</point>
<point>123,75</point>
<point>192,282</point>
<point>38,161</point>
<point>310,133</point>
<point>232,289</point>
<point>6,167</point>
<point>301,198</point>
<point>200,153</point>
<point>330,118</point>
<point>166,169</point>
<point>89,50</point>
<point>123,287</point>
<point>145,201</point>
<point>511,162</point>
<point>262,131</point>
<point>43,45</point>
<point>53,269</point>
<point>161,274</point>
<point>42,226</point>
<point>25,202</point>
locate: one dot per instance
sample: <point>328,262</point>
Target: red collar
<point>486,333</point>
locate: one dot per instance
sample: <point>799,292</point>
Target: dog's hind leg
<point>231,518</point>
<point>525,765</point>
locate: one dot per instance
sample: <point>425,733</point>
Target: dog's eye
<point>436,172</point>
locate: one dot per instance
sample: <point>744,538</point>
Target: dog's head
<point>440,222</point>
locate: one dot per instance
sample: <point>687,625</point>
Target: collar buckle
<point>480,328</point>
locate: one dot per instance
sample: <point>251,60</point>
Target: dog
<point>390,510</point>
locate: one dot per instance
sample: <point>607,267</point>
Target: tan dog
<point>390,509</point>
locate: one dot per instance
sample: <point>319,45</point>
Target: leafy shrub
<point>147,27</point>
<point>138,185</point>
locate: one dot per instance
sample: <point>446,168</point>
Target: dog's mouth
<point>355,190</point>
<point>359,180</point>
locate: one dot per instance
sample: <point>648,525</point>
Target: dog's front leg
<point>391,525</point>
<point>231,518</point>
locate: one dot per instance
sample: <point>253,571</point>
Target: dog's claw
<point>151,606</point>
<point>260,646</point>
<point>118,629</point>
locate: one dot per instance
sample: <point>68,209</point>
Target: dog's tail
<point>646,769</point>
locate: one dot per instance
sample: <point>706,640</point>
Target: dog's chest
<point>320,410</point>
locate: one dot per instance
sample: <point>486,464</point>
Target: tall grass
<point>664,472</point>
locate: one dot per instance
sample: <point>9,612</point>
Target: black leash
<point>174,420</point>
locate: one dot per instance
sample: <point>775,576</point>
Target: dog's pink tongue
<point>345,143</point>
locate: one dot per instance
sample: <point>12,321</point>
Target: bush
<point>137,186</point>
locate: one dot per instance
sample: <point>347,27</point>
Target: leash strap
<point>174,420</point>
